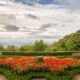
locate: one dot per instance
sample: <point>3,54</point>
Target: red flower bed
<point>29,62</point>
<point>59,64</point>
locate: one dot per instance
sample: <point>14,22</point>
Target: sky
<point>24,21</point>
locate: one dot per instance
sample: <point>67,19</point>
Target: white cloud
<point>61,20</point>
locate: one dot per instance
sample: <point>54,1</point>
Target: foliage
<point>26,48</point>
<point>11,48</point>
<point>39,45</point>
<point>2,48</point>
<point>39,53</point>
<point>66,75</point>
<point>68,43</point>
<point>39,59</point>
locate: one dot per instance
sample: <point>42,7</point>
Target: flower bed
<point>28,63</point>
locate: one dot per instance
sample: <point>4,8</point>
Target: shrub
<point>40,59</point>
<point>38,53</point>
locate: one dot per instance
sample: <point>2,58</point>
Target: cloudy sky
<point>23,21</point>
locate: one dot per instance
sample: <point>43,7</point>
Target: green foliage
<point>26,48</point>
<point>23,48</point>
<point>2,48</point>
<point>39,59</point>
<point>66,75</point>
<point>39,53</point>
<point>68,43</point>
<point>11,48</point>
<point>71,45</point>
<point>39,45</point>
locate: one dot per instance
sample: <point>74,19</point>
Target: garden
<point>58,67</point>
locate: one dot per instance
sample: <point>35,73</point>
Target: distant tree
<point>11,48</point>
<point>48,48</point>
<point>2,48</point>
<point>30,47</point>
<point>26,48</point>
<point>39,46</point>
<point>23,48</point>
<point>54,48</point>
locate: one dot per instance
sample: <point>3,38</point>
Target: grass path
<point>2,77</point>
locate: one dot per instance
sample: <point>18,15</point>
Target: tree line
<point>68,43</point>
<point>37,46</point>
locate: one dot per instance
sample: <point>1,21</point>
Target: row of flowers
<point>29,62</point>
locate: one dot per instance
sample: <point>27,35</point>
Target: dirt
<point>2,77</point>
<point>76,77</point>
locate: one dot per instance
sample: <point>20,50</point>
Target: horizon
<point>22,43</point>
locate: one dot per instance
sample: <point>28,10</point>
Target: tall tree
<point>39,45</point>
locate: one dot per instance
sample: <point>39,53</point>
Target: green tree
<point>71,45</point>
<point>69,42</point>
<point>26,48</point>
<point>11,48</point>
<point>2,48</point>
<point>39,46</point>
<point>23,48</point>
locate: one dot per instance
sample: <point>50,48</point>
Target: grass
<point>9,56</point>
<point>66,75</point>
<point>68,56</point>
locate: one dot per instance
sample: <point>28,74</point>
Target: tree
<point>39,45</point>
<point>23,48</point>
<point>71,45</point>
<point>2,48</point>
<point>26,48</point>
<point>11,48</point>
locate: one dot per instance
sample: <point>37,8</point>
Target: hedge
<point>38,53</point>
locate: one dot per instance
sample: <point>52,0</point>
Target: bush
<point>40,59</point>
<point>38,53</point>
